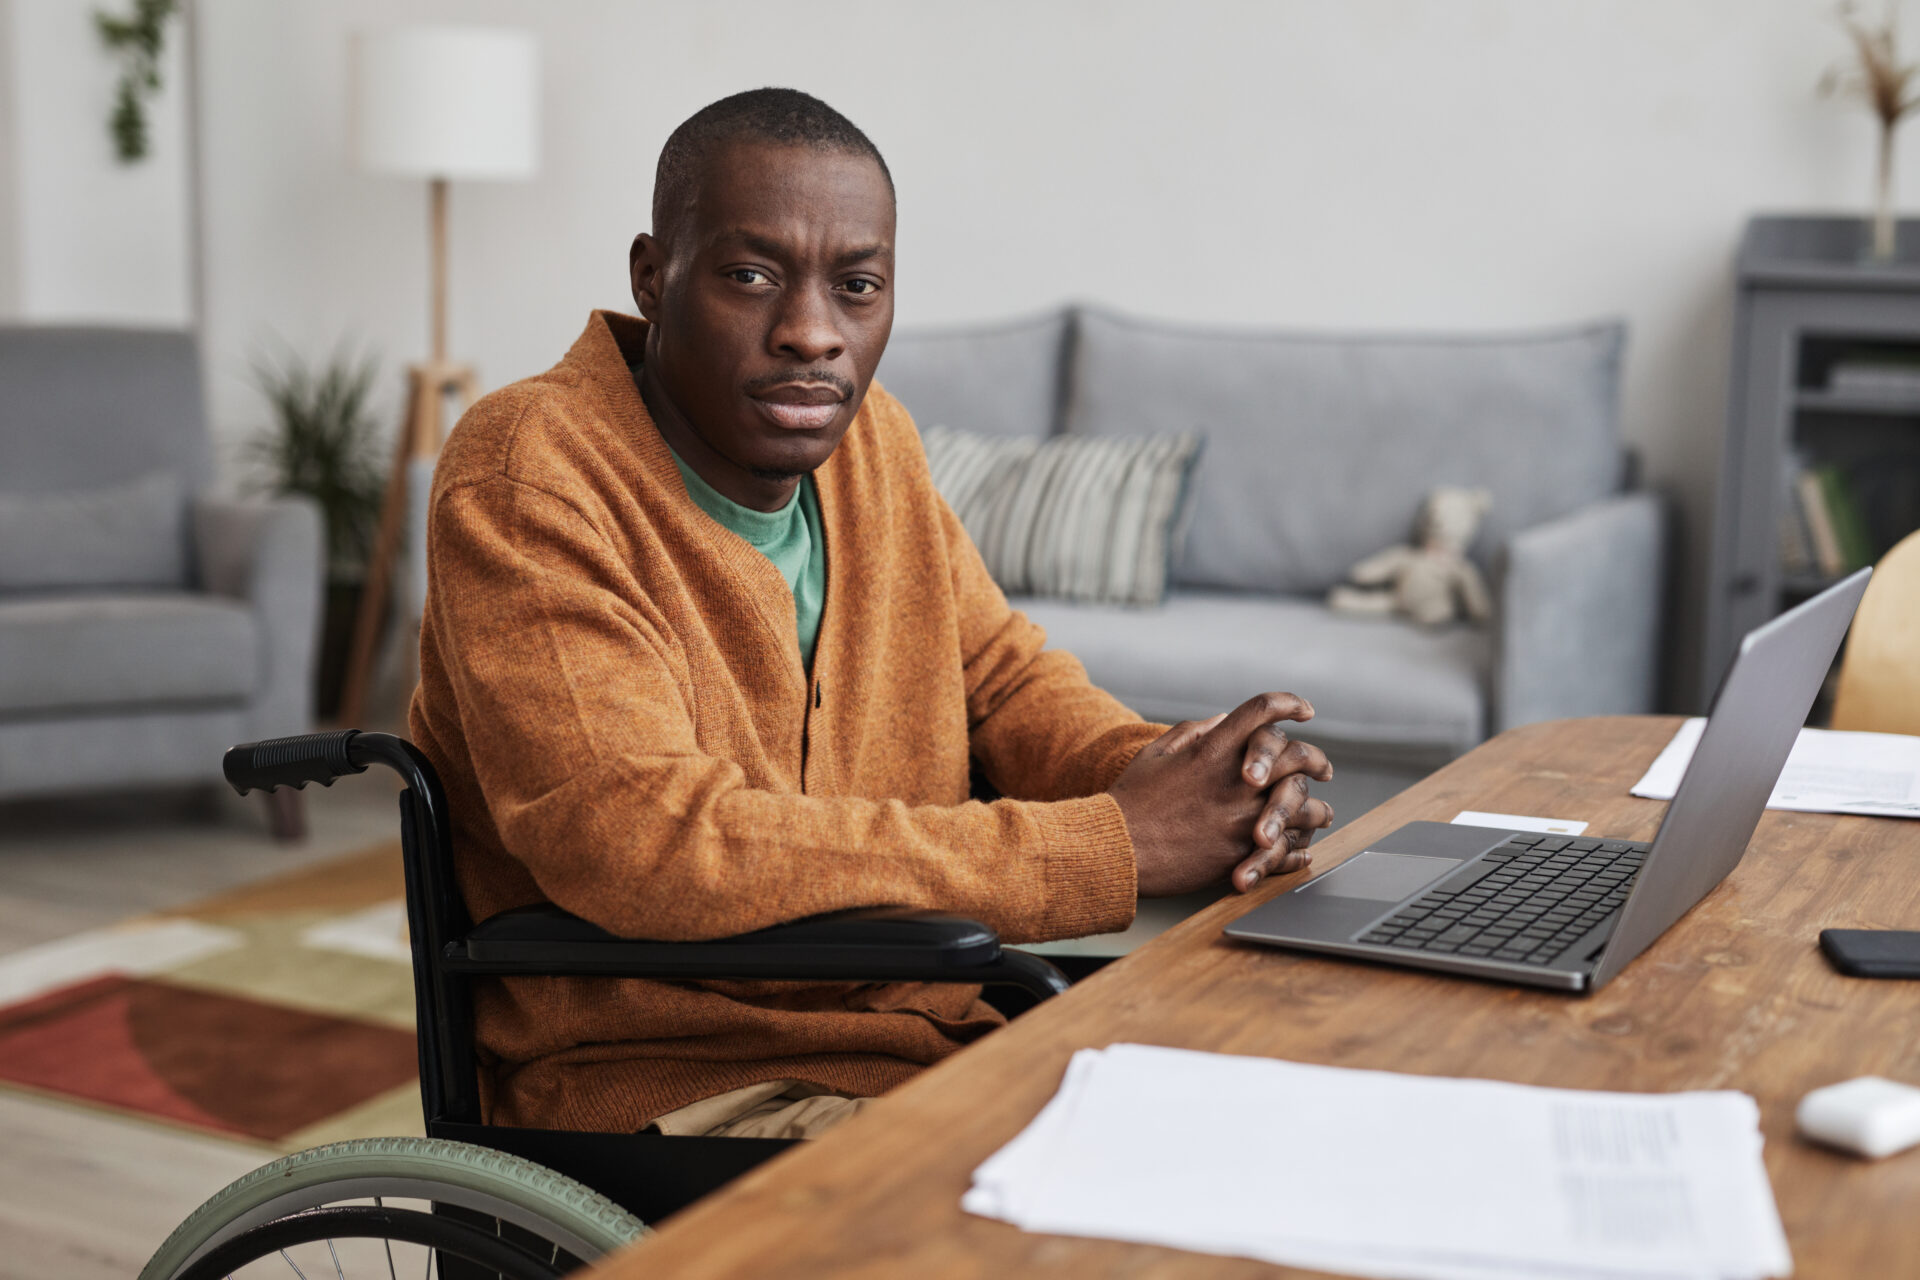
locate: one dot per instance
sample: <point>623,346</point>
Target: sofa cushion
<point>1001,379</point>
<point>90,652</point>
<point>1071,518</point>
<point>89,405</point>
<point>1394,691</point>
<point>1320,448</point>
<point>132,534</point>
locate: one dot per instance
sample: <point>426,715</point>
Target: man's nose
<point>805,329</point>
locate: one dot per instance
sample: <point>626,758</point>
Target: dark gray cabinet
<point>1810,306</point>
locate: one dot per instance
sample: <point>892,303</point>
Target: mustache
<point>826,377</point>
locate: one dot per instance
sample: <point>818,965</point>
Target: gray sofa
<point>145,626</point>
<point>1319,450</point>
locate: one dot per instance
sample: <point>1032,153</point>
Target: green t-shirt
<point>790,537</point>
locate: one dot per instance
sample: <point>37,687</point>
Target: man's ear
<point>645,264</point>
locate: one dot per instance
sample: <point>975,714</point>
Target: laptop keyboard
<point>1527,901</point>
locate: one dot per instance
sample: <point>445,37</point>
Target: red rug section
<point>199,1058</point>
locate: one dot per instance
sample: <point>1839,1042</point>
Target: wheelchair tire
<point>579,1221</point>
<point>450,1242</point>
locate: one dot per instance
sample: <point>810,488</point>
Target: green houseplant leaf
<point>324,443</point>
<point>137,41</point>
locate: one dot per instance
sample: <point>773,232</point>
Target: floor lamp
<point>446,104</point>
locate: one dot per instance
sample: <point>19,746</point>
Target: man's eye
<point>862,286</point>
<point>747,275</point>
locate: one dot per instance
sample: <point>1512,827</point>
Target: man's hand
<point>1227,794</point>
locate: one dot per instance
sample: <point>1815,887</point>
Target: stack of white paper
<point>1828,771</point>
<point>1402,1177</point>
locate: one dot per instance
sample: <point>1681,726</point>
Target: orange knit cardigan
<point>613,695</point>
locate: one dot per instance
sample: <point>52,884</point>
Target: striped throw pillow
<point>1070,517</point>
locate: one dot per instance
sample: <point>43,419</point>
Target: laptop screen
<point>1750,730</point>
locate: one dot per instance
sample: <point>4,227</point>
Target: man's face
<point>771,305</point>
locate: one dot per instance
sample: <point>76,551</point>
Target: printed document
<point>1402,1177</point>
<point>1519,822</point>
<point>1829,771</point>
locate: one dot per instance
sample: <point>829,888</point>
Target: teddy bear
<point>1431,581</point>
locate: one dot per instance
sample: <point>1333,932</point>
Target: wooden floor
<point>84,1195</point>
<point>80,863</point>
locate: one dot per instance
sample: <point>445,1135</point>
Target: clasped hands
<point>1226,795</point>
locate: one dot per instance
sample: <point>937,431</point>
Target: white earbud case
<point>1869,1116</point>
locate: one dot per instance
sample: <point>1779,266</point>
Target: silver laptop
<point>1556,911</point>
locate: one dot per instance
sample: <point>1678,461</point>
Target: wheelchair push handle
<point>292,762</point>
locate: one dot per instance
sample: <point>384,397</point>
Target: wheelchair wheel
<point>380,1206</point>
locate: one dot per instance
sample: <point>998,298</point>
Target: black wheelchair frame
<point>651,1174</point>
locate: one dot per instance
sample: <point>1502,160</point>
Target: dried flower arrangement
<point>1882,83</point>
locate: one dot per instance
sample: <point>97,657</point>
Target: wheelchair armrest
<point>883,944</point>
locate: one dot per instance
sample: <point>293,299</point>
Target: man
<point>704,652</point>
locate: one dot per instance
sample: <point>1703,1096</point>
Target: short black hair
<point>763,115</point>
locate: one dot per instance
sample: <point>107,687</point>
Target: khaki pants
<point>775,1109</point>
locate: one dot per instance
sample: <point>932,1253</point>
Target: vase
<point>1883,223</point>
<point>336,642</point>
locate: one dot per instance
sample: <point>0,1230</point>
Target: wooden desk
<point>1735,996</point>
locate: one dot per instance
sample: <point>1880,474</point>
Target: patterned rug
<point>279,1013</point>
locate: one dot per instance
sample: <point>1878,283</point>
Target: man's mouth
<point>800,406</point>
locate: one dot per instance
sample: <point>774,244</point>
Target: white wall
<point>1437,164</point>
<point>9,235</point>
<point>89,238</point>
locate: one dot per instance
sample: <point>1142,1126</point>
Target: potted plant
<point>325,444</point>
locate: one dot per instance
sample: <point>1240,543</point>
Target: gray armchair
<point>145,626</point>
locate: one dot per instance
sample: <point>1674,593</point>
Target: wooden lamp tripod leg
<point>373,597</point>
<point>420,436</point>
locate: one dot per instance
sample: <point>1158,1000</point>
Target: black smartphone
<point>1873,953</point>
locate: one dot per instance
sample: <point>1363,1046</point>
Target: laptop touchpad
<point>1384,877</point>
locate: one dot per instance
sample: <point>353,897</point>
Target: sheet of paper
<point>1828,771</point>
<point>1519,822</point>
<point>1379,1174</point>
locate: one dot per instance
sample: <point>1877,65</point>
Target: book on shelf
<point>1820,531</point>
<point>1796,542</point>
<point>1822,527</point>
<point>1875,380</point>
<point>1849,522</point>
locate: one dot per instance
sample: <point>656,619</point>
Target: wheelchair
<point>526,1204</point>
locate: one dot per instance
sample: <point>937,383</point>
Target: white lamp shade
<point>447,102</point>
